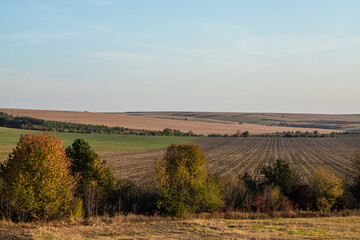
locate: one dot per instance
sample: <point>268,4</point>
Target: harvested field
<point>346,122</point>
<point>237,155</point>
<point>204,126</point>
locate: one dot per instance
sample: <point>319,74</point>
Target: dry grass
<point>150,123</point>
<point>140,227</point>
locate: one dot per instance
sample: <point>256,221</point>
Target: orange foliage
<point>37,177</point>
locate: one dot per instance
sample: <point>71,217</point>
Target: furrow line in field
<point>298,162</point>
<point>334,161</point>
<point>323,160</point>
<point>250,159</point>
<point>264,155</point>
<point>231,158</point>
<point>309,161</point>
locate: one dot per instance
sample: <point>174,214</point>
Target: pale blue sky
<point>243,56</point>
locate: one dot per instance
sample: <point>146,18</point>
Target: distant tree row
<point>314,134</point>
<point>288,134</point>
<point>237,134</point>
<point>307,134</point>
<point>56,126</point>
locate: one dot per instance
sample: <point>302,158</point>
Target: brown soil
<point>239,155</point>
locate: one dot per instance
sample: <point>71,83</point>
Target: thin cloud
<point>36,37</point>
<point>186,53</point>
<point>345,43</point>
<point>128,56</point>
<point>18,36</point>
<point>279,46</point>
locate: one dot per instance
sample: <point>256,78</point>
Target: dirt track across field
<point>150,123</point>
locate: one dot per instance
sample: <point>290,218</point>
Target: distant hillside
<point>345,122</point>
<point>198,123</point>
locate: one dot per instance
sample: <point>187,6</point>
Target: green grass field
<point>100,142</point>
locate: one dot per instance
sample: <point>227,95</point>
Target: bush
<point>183,183</point>
<point>304,198</point>
<point>76,208</point>
<point>272,200</point>
<point>234,192</point>
<point>238,191</point>
<point>96,182</point>
<point>245,134</point>
<point>280,175</point>
<point>137,199</point>
<point>327,188</point>
<point>5,207</point>
<point>37,178</point>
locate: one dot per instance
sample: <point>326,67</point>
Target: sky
<point>181,55</point>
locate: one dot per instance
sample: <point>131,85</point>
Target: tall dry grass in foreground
<point>231,225</point>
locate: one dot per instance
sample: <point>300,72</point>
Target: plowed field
<point>237,155</point>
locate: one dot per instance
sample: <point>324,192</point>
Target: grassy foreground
<point>140,227</point>
<point>100,142</point>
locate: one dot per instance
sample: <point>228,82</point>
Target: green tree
<point>96,181</point>
<point>168,132</point>
<point>37,179</point>
<point>327,189</point>
<point>280,175</point>
<point>183,183</point>
<point>245,134</point>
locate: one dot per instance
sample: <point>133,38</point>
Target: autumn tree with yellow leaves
<point>37,179</point>
<point>183,183</point>
<point>327,189</point>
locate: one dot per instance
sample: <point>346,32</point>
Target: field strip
<point>154,124</point>
<point>239,155</point>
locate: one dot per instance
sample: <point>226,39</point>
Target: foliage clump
<point>96,181</point>
<point>327,189</point>
<point>37,179</point>
<point>183,183</point>
<point>280,175</point>
<point>272,200</point>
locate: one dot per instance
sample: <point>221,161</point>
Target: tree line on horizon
<point>42,180</point>
<point>30,123</point>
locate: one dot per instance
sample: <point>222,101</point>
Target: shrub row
<point>43,180</point>
<point>288,134</point>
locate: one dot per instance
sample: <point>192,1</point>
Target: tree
<point>96,182</point>
<point>245,134</point>
<point>327,188</point>
<point>183,184</point>
<point>37,178</point>
<point>280,175</point>
<point>168,132</point>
